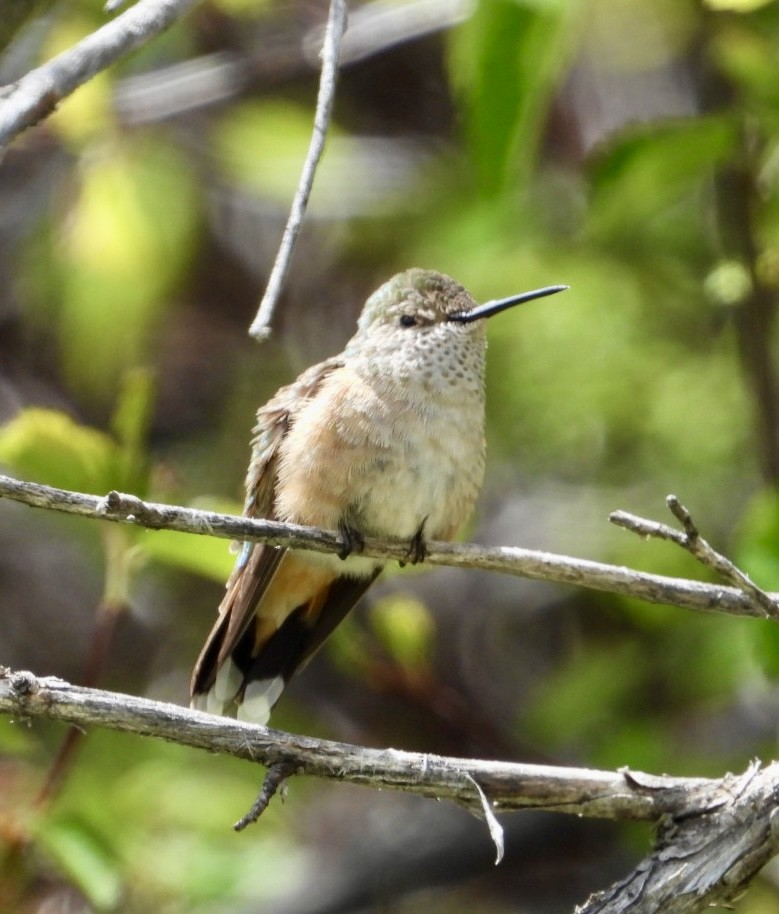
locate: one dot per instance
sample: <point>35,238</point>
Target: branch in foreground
<point>716,834</point>
<point>33,97</point>
<point>509,786</point>
<point>703,861</point>
<point>527,563</point>
<point>331,52</point>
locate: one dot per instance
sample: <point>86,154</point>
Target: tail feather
<point>259,697</point>
<point>250,680</point>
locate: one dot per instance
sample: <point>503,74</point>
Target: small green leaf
<point>47,446</point>
<point>203,555</point>
<point>84,857</point>
<point>736,6</point>
<point>505,62</point>
<point>130,425</point>
<point>405,628</point>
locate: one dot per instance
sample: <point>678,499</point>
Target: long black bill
<point>501,304</point>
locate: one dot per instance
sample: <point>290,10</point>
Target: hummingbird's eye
<point>407,320</point>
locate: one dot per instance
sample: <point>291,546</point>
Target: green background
<point>629,149</point>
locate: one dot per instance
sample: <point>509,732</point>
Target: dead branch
<point>715,834</point>
<point>510,786</point>
<point>331,53</point>
<point>527,563</point>
<point>690,539</point>
<point>705,860</point>
<point>33,97</point>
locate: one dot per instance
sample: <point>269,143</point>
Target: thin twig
<point>275,776</point>
<point>331,51</point>
<point>33,97</point>
<point>691,541</point>
<point>526,563</point>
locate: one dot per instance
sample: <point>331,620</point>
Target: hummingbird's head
<point>413,301</point>
<point>423,328</point>
<point>418,300</point>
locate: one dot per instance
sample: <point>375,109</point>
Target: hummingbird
<point>386,440</point>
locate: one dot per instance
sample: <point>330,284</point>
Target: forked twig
<point>690,540</point>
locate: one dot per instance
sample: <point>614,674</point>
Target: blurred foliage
<point>506,63</point>
<point>628,148</point>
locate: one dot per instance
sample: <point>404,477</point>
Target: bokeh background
<point>629,148</point>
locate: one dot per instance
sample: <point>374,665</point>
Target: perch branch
<point>690,539</point>
<point>33,97</point>
<point>527,563</point>
<point>331,51</point>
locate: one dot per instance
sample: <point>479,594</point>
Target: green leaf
<point>113,266</point>
<point>405,627</point>
<point>47,446</point>
<point>85,858</point>
<point>204,555</point>
<point>130,424</point>
<point>649,169</point>
<point>505,62</point>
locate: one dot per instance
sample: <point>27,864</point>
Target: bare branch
<point>691,540</point>
<point>509,786</point>
<point>703,861</point>
<point>715,834</point>
<point>33,97</point>
<point>331,50</point>
<point>526,563</point>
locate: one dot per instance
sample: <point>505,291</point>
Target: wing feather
<point>257,564</point>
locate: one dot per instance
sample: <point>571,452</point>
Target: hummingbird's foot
<point>353,541</point>
<point>417,547</point>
